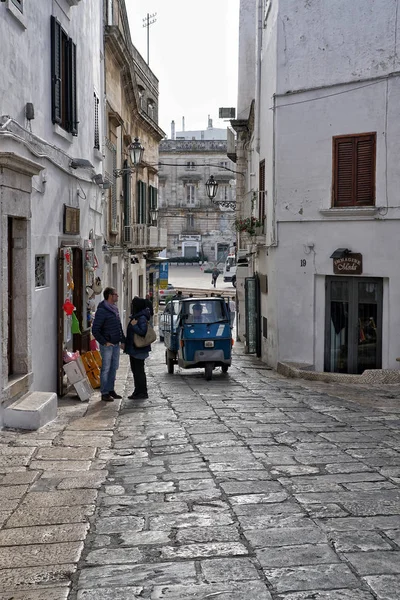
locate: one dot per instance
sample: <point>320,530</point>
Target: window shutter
<point>141,204</point>
<point>72,108</point>
<point>127,195</point>
<point>261,199</point>
<point>365,175</point>
<point>55,70</point>
<point>96,122</point>
<point>344,172</point>
<point>354,170</point>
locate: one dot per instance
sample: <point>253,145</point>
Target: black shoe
<point>107,398</point>
<point>140,396</point>
<point>132,396</point>
<point>115,395</point>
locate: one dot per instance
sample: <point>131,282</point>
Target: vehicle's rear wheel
<point>161,338</point>
<point>208,369</point>
<point>225,368</point>
<point>234,281</point>
<point>170,365</point>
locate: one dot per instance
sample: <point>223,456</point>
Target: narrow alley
<point>247,487</point>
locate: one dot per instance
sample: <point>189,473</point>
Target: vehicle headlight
<point>209,344</point>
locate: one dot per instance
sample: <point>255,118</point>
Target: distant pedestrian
<point>214,276</point>
<point>138,322</point>
<point>178,296</point>
<point>232,310</point>
<point>107,330</point>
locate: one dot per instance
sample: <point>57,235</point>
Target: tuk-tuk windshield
<point>203,311</point>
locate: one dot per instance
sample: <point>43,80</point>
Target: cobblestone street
<point>246,487</point>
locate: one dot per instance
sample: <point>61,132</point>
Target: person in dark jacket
<point>138,322</point>
<point>107,330</point>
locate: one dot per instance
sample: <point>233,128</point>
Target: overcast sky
<point>194,55</point>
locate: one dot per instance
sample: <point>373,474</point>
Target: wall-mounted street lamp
<point>212,189</point>
<point>136,155</point>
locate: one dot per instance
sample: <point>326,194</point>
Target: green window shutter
<point>127,195</point>
<point>55,70</point>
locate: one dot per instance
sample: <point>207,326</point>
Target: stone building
<point>132,235</point>
<point>317,122</point>
<point>197,227</point>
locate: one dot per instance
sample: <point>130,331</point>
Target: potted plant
<point>249,225</point>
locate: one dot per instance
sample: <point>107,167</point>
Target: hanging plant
<point>249,225</point>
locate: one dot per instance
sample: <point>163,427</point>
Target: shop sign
<point>189,238</point>
<point>350,264</point>
<point>71,220</point>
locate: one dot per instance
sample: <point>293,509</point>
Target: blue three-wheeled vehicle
<point>199,336</point>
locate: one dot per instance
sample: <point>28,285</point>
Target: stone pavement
<point>247,487</point>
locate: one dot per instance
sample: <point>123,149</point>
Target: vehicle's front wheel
<point>208,369</point>
<point>234,281</point>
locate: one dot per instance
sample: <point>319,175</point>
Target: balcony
<point>145,237</point>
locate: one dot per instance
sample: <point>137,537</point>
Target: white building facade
<point>320,131</point>
<point>51,106</point>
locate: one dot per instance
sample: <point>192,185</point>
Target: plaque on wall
<point>71,220</point>
<point>350,264</point>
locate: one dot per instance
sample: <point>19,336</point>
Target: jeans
<point>139,376</point>
<point>109,366</point>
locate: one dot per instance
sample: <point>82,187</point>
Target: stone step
<point>32,411</point>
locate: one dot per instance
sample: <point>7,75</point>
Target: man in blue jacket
<point>107,330</point>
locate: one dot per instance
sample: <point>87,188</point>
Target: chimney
<point>209,123</point>
<point>183,123</point>
<point>172,130</point>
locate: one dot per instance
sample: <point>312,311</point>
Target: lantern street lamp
<point>136,152</point>
<point>136,155</point>
<point>211,187</point>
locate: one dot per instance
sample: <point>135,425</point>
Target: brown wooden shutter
<point>354,170</point>
<point>365,171</point>
<point>344,176</point>
<point>55,70</point>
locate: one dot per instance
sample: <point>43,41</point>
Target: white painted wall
<point>335,56</point>
<point>25,77</point>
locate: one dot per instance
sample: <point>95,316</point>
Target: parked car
<point>167,293</point>
<point>164,321</point>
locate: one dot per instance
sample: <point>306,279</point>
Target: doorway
<point>353,324</point>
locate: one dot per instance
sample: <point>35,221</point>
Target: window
<point>190,194</point>
<point>40,271</point>
<point>141,202</point>
<point>96,122</point>
<point>153,197</point>
<point>224,192</point>
<point>63,79</point>
<point>150,109</point>
<point>190,222</point>
<point>223,165</point>
<point>354,170</point>
<point>141,96</point>
<point>190,166</point>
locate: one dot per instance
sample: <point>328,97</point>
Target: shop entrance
<point>70,291</point>
<point>353,324</point>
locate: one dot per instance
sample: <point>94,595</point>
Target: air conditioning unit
<point>128,234</point>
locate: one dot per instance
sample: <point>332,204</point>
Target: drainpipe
<point>258,72</point>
